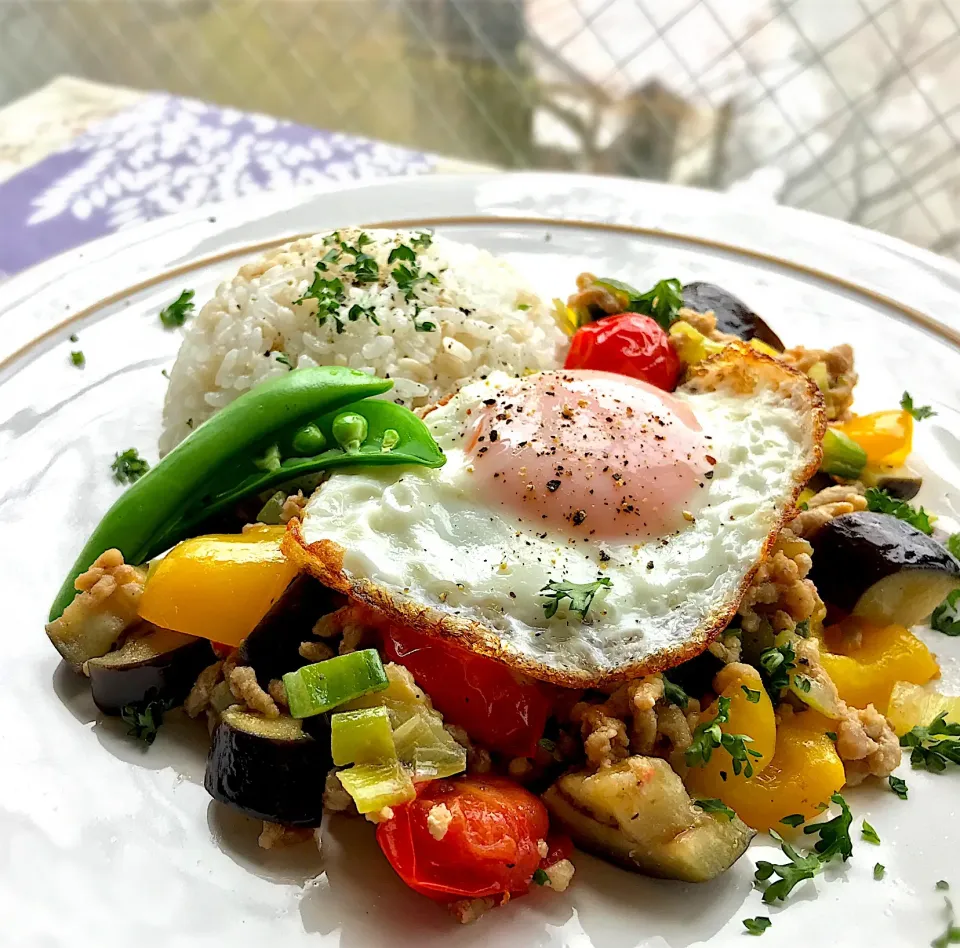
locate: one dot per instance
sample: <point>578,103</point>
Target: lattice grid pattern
<point>846,107</point>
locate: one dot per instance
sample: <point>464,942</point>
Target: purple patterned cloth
<point>167,154</point>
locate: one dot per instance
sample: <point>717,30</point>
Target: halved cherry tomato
<point>628,344</point>
<point>497,707</point>
<point>490,845</point>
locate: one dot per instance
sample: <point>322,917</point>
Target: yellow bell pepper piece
<point>691,345</point>
<point>866,673</point>
<point>911,705</point>
<point>803,774</point>
<point>761,346</point>
<point>220,586</point>
<point>753,718</point>
<point>886,436</point>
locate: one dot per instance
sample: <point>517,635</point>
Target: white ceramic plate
<point>104,844</point>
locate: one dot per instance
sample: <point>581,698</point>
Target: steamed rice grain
<point>468,314</point>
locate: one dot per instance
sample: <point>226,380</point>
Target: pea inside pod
<point>216,465</point>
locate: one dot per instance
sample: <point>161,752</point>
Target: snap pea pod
<point>392,435</point>
<point>202,463</point>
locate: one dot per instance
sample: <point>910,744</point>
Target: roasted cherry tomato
<point>628,344</point>
<point>489,847</point>
<point>497,707</point>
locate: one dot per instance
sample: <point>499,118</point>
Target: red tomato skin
<point>497,708</point>
<point>628,344</point>
<point>558,847</point>
<point>490,846</point>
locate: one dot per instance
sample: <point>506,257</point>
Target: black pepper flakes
<point>578,517</point>
<point>552,485</point>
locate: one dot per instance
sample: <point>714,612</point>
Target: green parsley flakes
<point>921,412</point>
<point>129,466</point>
<point>933,746</point>
<point>675,694</point>
<point>143,721</point>
<point>78,359</point>
<point>708,736</point>
<point>878,871</point>
<point>942,885</point>
<point>869,834</point>
<point>717,807</point>
<point>540,877</point>
<point>758,925</point>
<point>176,313</point>
<point>880,501</point>
<point>329,295</point>
<point>794,820</point>
<point>752,696</point>
<point>946,617</point>
<point>951,935</point>
<point>898,786</point>
<point>580,596</point>
<point>776,663</point>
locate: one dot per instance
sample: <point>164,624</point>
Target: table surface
<point>79,160</point>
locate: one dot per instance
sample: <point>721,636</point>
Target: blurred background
<point>846,107</point>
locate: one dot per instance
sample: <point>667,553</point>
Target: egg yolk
<point>592,454</point>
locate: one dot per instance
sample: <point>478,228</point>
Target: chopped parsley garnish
<point>942,885</point>
<point>523,306</point>
<point>425,326</point>
<point>74,337</point>
<point>834,841</point>
<point>898,786</point>
<point>364,269</point>
<point>752,696</point>
<point>953,545</point>
<point>776,663</point>
<point>129,466</point>
<point>758,925</point>
<point>831,734</point>
<point>880,501</point>
<point>869,833</point>
<point>546,744</point>
<point>408,276</point>
<point>934,745</point>
<point>329,297</point>
<point>951,935</point>
<point>675,694</point>
<point>716,806</point>
<point>580,595</point>
<point>402,252</point>
<point>921,412</point>
<point>540,877</point>
<point>356,311</point>
<point>144,720</point>
<point>78,359</point>
<point>422,240</point>
<point>794,820</point>
<point>176,313</point>
<point>284,359</point>
<point>946,617</point>
<point>878,870</point>
<point>803,683</point>
<point>708,736</point>
<point>662,302</point>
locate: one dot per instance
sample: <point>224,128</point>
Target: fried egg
<point>663,505</point>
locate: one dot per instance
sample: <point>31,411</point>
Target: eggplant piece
<point>268,768</point>
<point>638,814</point>
<point>273,648</point>
<point>881,568</point>
<point>900,482</point>
<point>733,315</point>
<point>160,665</point>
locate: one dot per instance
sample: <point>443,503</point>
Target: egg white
<point>424,545</point>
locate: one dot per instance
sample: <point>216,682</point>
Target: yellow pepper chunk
<point>911,705</point>
<point>886,436</point>
<point>866,673</point>
<point>805,771</point>
<point>691,345</point>
<point>754,718</point>
<point>220,586</point>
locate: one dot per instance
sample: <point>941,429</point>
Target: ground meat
<point>331,625</point>
<point>559,875</point>
<point>243,684</point>
<point>380,816</point>
<point>466,911</point>
<point>867,745</point>
<point>276,836</point>
<point>780,591</point>
<point>726,648</point>
<point>605,740</point>
<point>824,506</point>
<point>199,698</point>
<point>353,638</point>
<point>591,298</point>
<point>109,593</point>
<point>315,651</point>
<point>438,821</point>
<point>841,378</point>
<point>278,692</point>
<point>293,507</point>
<point>335,798</point>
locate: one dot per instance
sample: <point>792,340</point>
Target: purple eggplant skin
<point>733,315</point>
<point>158,665</point>
<point>268,768</point>
<point>273,648</point>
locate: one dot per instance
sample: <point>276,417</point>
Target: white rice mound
<point>484,316</point>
